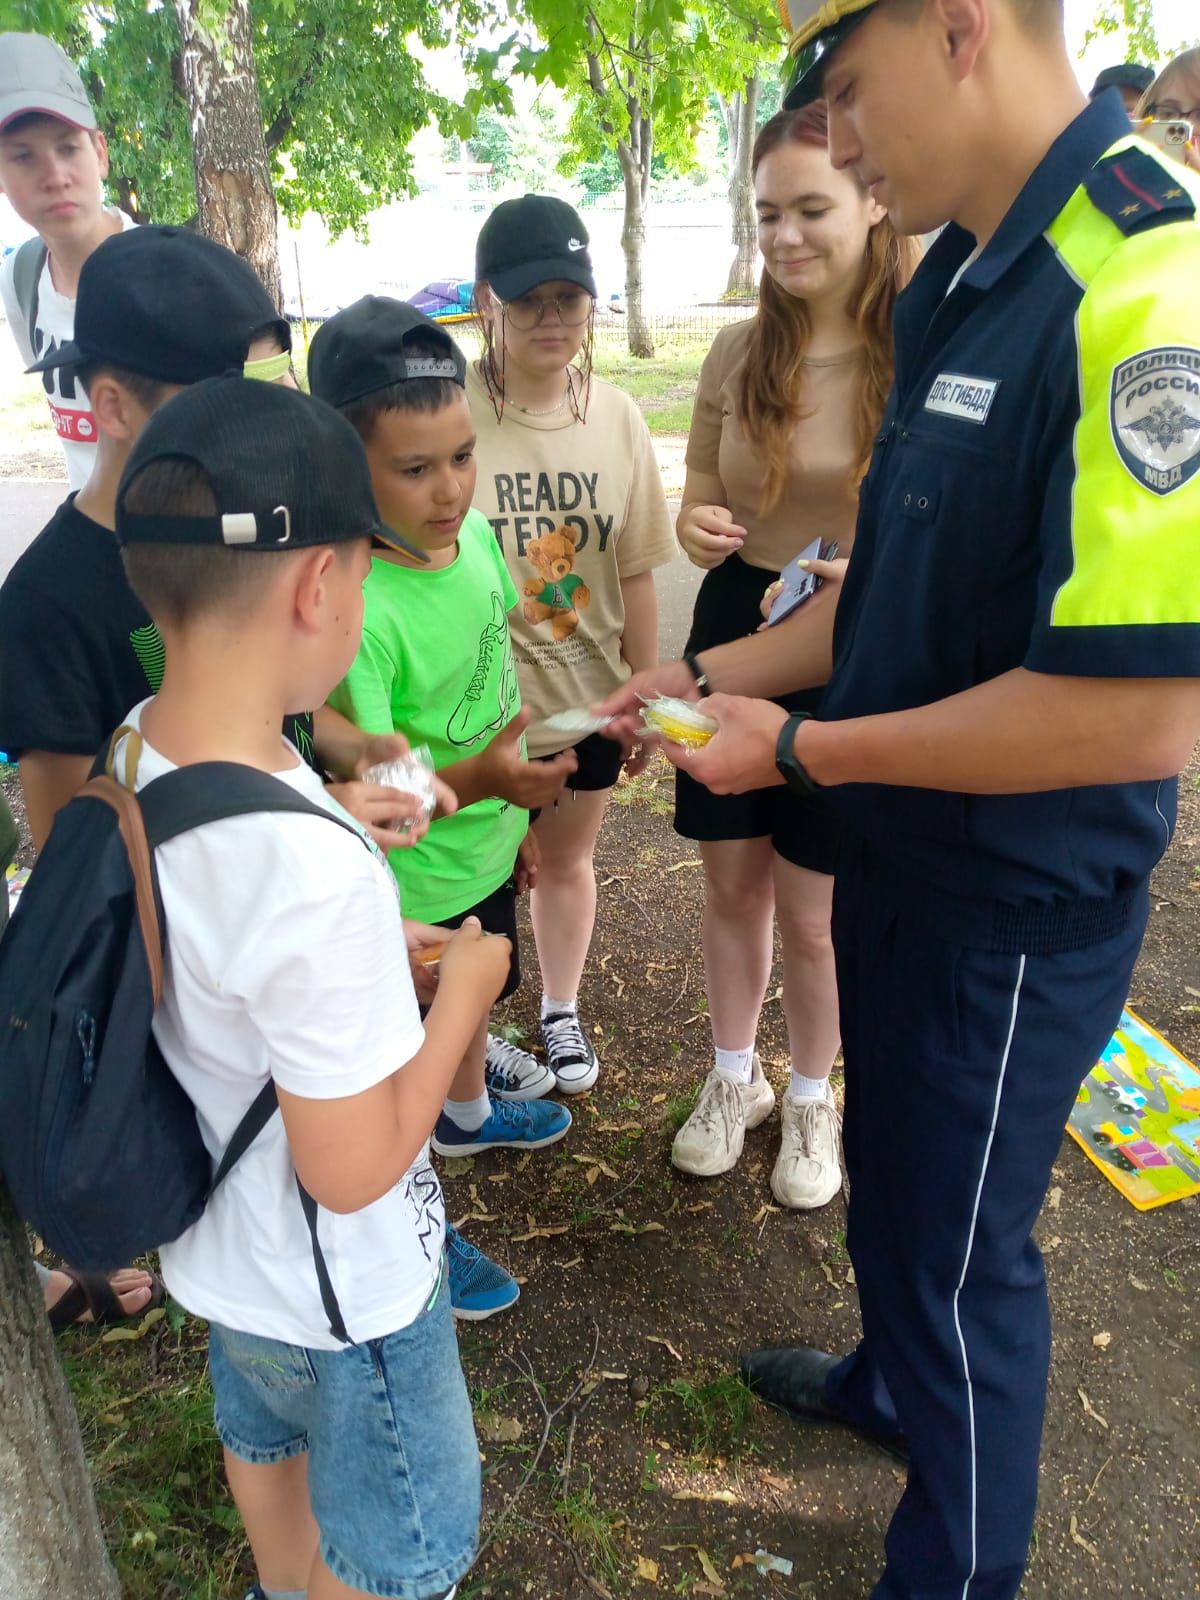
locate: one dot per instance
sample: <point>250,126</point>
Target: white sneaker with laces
<point>511,1073</point>
<point>808,1171</point>
<point>571,1058</point>
<point>711,1140</point>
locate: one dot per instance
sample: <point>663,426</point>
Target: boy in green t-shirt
<point>436,664</point>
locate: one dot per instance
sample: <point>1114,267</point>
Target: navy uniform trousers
<point>962,1065</point>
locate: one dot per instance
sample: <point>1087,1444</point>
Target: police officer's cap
<point>817,27</point>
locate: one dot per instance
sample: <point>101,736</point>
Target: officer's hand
<point>741,756</point>
<point>709,534</point>
<point>624,705</point>
<point>831,572</point>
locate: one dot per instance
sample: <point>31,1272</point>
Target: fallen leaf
<point>524,1161</point>
<point>701,1205</point>
<point>1077,1538</point>
<point>709,1571</point>
<point>578,1261</point>
<point>781,1484</point>
<point>477,1216</point>
<point>456,1166</point>
<point>499,1177</point>
<point>653,1338</point>
<point>647,1570</point>
<point>828,1272</point>
<point>614,1377</point>
<point>634,1228</point>
<point>1054,1198</point>
<point>1051,1244</point>
<point>117,1335</point>
<point>1089,1408</point>
<point>591,1175</point>
<point>538,1232</point>
<point>1195,993</point>
<point>724,1497</point>
<point>1136,1283</point>
<point>1102,1340</point>
<point>766,1562</point>
<point>496,1429</point>
<point>850,1275</point>
<point>680,865</point>
<point>657,1100</point>
<point>763,1212</point>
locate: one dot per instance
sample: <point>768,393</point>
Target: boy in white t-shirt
<point>245,516</point>
<point>53,159</point>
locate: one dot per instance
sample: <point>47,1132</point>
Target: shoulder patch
<point>1135,191</point>
<point>1155,416</point>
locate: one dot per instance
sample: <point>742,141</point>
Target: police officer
<point>1014,686</point>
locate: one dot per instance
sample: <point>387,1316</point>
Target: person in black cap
<point>568,480</point>
<point>1130,79</point>
<point>1012,671</point>
<point>436,665</point>
<point>245,516</point>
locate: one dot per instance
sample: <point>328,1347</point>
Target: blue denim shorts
<point>393,1466</point>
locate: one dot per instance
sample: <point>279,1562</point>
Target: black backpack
<point>27,275</point>
<point>99,1144</point>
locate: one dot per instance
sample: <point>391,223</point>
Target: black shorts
<point>599,763</point>
<point>497,914</point>
<point>803,829</point>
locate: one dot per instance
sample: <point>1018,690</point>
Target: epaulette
<point>1136,192</point>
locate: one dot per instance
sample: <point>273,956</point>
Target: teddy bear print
<point>556,593</point>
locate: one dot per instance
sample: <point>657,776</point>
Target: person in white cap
<point>53,160</point>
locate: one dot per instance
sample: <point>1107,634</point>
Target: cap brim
<point>396,541</point>
<point>66,355</point>
<point>513,282</point>
<point>808,66</point>
<point>48,105</point>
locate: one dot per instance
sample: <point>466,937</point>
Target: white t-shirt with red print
<point>55,326</point>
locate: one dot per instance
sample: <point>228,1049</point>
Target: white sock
<point>469,1115</point>
<point>802,1088</point>
<point>554,1007</point>
<point>737,1064</point>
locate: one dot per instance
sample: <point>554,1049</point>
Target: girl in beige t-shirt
<point>785,417</point>
<point>568,480</point>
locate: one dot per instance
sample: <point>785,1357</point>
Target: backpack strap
<point>27,274</point>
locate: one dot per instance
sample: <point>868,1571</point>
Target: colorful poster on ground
<point>1138,1116</point>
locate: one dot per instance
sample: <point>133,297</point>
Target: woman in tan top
<point>785,417</point>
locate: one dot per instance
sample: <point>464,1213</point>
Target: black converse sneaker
<point>572,1059</point>
<point>513,1074</point>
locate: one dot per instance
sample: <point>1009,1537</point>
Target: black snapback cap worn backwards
<point>533,240</point>
<point>287,471</point>
<point>818,27</point>
<point>370,346</point>
<point>167,304</point>
<point>1127,75</point>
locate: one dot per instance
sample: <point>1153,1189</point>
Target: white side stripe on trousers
<point>962,1344</point>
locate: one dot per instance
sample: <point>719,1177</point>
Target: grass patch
<point>678,1109</point>
<point>591,1530</point>
<point>716,1413</point>
<point>145,1411</point>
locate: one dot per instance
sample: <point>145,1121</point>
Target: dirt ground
<point>621,1459</point>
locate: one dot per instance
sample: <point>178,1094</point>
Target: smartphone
<point>1173,136</point>
<point>799,585</point>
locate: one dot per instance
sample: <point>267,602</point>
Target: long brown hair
<point>1185,67</point>
<point>773,376</point>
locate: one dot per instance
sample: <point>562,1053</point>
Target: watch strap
<point>794,773</point>
<point>697,672</point>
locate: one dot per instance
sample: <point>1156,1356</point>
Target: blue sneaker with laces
<point>479,1287</point>
<point>513,1124</point>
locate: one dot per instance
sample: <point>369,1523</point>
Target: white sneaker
<point>711,1140</point>
<point>808,1171</point>
<point>511,1073</point>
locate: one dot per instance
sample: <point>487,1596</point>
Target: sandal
<point>92,1291</point>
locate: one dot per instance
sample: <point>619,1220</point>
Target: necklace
<point>546,411</point>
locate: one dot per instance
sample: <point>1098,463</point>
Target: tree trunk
<point>741,116</point>
<point>51,1545</point>
<point>233,182</point>
<point>634,155</point>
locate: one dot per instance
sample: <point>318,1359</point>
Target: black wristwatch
<point>797,776</point>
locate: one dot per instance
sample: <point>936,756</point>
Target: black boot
<point>793,1380</point>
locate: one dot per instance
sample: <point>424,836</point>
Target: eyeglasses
<point>572,308</point>
<point>1171,111</point>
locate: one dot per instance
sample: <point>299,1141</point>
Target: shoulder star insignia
<point>1130,211</point>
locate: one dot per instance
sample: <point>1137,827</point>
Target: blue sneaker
<point>513,1124</point>
<point>479,1287</point>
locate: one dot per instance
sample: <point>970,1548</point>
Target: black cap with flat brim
<point>286,471</point>
<point>818,27</point>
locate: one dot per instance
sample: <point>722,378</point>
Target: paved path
<point>26,505</point>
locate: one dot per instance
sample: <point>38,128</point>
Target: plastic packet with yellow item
<point>677,720</point>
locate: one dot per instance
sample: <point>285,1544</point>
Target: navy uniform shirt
<point>1034,500</point>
